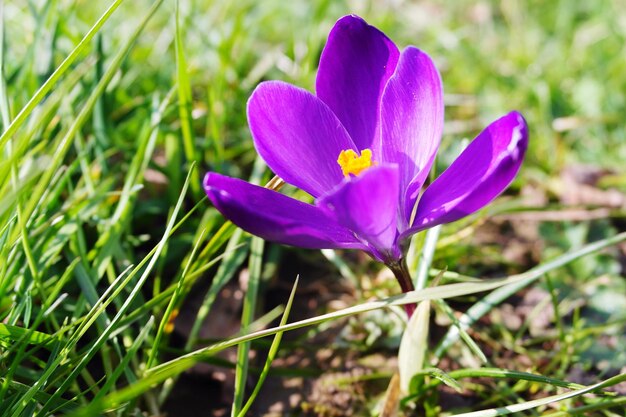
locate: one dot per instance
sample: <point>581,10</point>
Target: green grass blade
<point>236,254</point>
<point>473,346</point>
<point>5,111</point>
<point>441,377</point>
<point>184,99</point>
<point>174,300</point>
<point>249,306</point>
<point>516,408</point>
<point>426,257</point>
<point>15,333</point>
<point>58,73</point>
<point>271,354</point>
<point>586,409</point>
<point>505,373</point>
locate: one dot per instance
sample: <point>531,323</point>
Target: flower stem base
<point>401,272</point>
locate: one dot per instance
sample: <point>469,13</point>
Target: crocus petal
<point>276,217</point>
<point>297,135</point>
<point>412,123</point>
<point>355,65</point>
<point>484,169</point>
<point>368,205</point>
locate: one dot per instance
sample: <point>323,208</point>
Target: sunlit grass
<point>111,113</point>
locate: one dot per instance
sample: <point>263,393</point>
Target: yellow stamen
<point>351,163</point>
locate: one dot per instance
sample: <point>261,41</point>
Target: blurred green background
<point>90,179</point>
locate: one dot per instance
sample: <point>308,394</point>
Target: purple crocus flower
<point>363,148</point>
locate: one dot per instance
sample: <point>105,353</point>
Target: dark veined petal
<point>368,205</point>
<point>482,171</point>
<point>355,65</point>
<point>412,123</point>
<point>298,136</point>
<point>276,217</point>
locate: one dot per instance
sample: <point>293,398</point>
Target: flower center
<point>354,164</point>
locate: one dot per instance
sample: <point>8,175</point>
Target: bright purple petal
<point>368,205</point>
<point>412,123</point>
<point>355,65</point>
<point>298,136</point>
<point>276,217</point>
<point>484,169</point>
